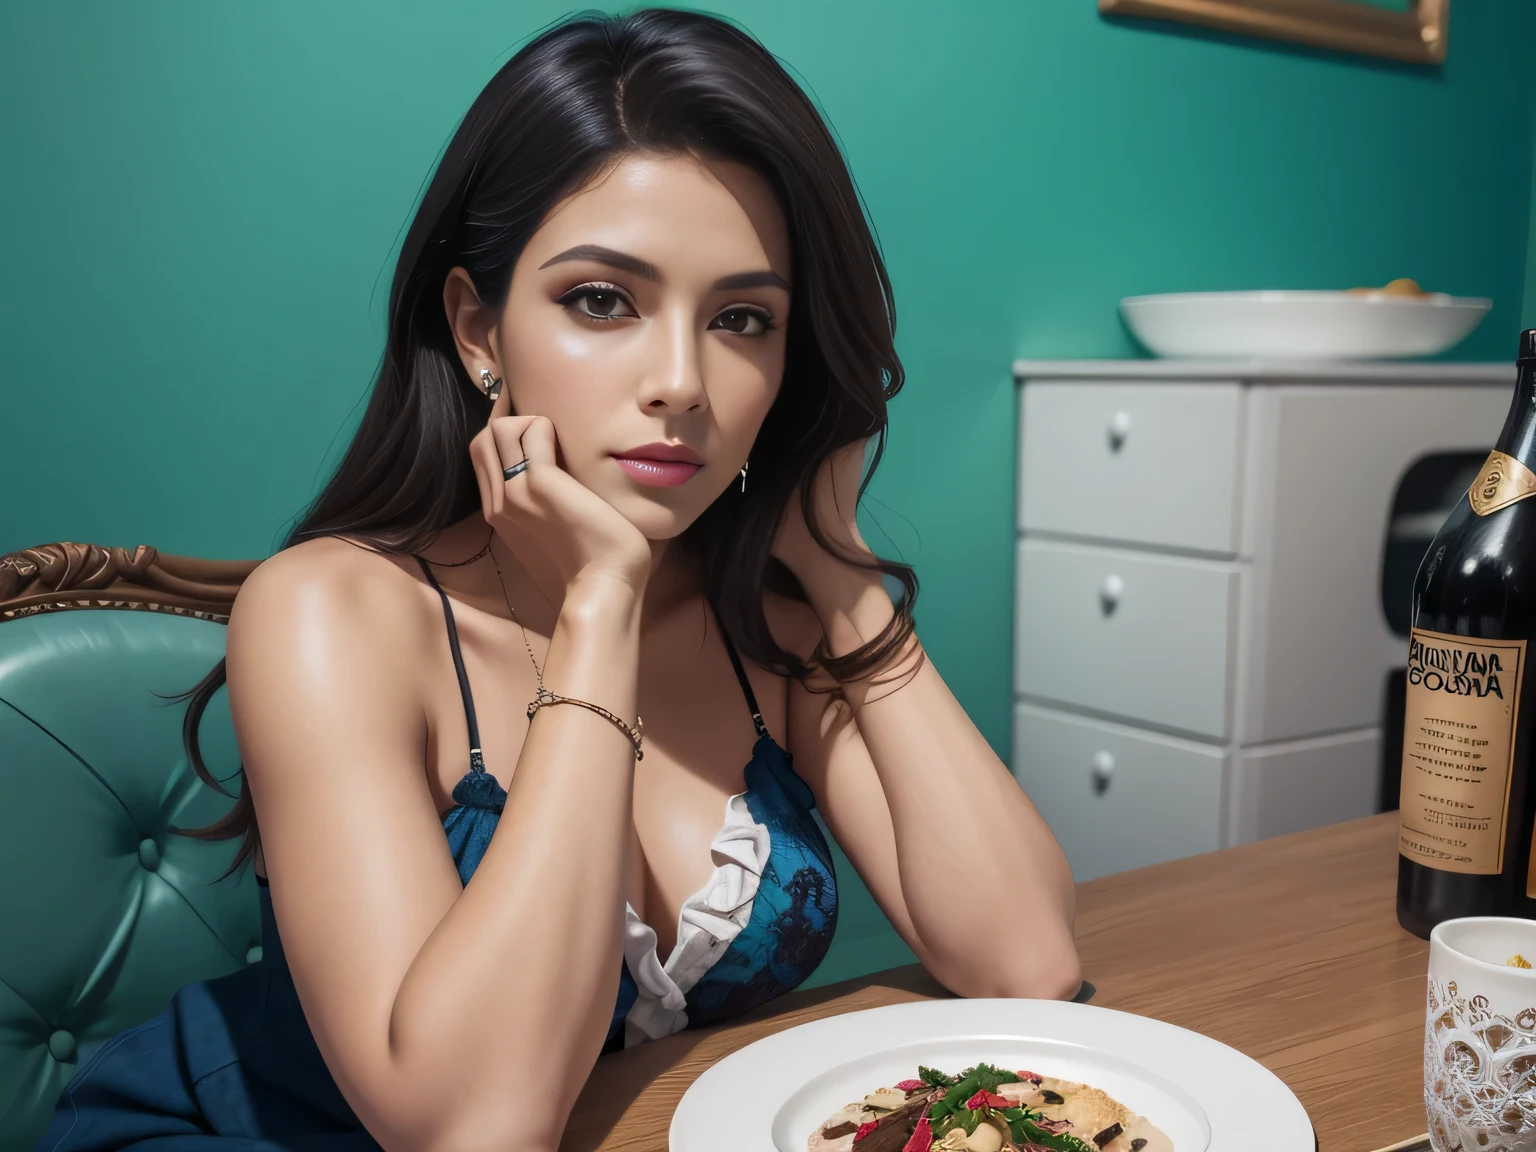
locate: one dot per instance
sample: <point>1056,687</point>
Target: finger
<point>538,442</point>
<point>511,438</point>
<point>506,435</point>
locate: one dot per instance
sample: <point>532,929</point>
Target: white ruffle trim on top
<point>709,920</point>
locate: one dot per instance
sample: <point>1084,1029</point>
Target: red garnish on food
<point>922,1137</point>
<point>989,1099</point>
<point>865,1130</point>
<point>1054,1127</point>
<point>911,1085</point>
<point>1032,1077</point>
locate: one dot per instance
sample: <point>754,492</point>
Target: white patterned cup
<point>1480,1036</point>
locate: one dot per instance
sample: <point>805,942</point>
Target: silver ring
<point>516,470</point>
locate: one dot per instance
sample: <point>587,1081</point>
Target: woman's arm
<point>947,842</point>
<point>451,1017</point>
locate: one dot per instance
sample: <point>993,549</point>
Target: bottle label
<point>1502,482</point>
<point>1458,750</point>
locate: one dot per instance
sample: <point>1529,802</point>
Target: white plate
<point>1301,325</point>
<point>770,1095</point>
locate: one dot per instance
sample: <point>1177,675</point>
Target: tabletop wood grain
<point>1288,950</point>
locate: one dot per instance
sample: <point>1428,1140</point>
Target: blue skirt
<point>229,1066</point>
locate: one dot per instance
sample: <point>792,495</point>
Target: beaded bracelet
<point>636,734</point>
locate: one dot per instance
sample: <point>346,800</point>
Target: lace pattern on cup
<point>1479,1074</point>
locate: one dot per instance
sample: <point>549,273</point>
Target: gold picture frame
<point>1416,36</point>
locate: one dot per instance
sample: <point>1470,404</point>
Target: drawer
<point>1115,797</point>
<point>1143,463</point>
<point>1148,638</point>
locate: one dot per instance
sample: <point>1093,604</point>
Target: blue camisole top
<point>231,1066</point>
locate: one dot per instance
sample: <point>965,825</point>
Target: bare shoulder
<point>325,636</point>
<point>326,587</point>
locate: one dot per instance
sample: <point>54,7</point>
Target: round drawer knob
<point>1102,772</point>
<point>1119,429</point>
<point>1110,592</point>
<point>62,1046</point>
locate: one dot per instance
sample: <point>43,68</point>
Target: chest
<point>699,736</point>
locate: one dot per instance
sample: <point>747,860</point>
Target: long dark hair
<point>577,97</point>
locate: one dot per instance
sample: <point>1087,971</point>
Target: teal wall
<point>1528,307</point>
<point>200,202</point>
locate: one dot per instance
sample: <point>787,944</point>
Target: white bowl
<point>1301,325</point>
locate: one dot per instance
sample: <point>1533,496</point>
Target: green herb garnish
<point>954,1099</point>
<point>934,1076</point>
<point>990,1077</point>
<point>978,1077</point>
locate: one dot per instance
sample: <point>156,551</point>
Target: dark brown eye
<point>742,321</point>
<point>602,303</point>
<point>597,302</point>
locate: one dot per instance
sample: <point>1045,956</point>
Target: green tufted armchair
<point>104,911</point>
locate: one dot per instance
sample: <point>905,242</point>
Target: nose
<point>675,380</point>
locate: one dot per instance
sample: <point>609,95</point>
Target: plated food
<point>987,1109</point>
<point>1166,1085</point>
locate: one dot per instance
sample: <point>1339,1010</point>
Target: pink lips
<point>660,465</point>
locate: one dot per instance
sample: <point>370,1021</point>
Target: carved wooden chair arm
<point>56,577</point>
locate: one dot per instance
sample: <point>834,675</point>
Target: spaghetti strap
<point>476,760</point>
<point>741,676</point>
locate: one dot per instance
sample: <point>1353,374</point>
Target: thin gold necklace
<point>501,580</point>
<point>471,560</point>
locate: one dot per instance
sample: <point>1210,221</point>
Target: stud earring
<point>744,475</point>
<point>491,383</point>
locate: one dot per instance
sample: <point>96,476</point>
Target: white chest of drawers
<point>1200,648</point>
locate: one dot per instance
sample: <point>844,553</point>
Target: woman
<point>639,335</point>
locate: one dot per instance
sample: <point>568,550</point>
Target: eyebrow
<point>648,271</point>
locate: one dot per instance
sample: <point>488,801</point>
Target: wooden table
<point>1288,950</point>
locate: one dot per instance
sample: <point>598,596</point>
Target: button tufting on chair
<point>253,954</point>
<point>104,910</point>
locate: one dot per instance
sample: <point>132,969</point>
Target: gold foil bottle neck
<point>1502,482</point>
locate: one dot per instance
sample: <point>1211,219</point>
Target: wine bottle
<point>1467,801</point>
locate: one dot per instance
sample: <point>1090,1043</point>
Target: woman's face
<point>646,318</point>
